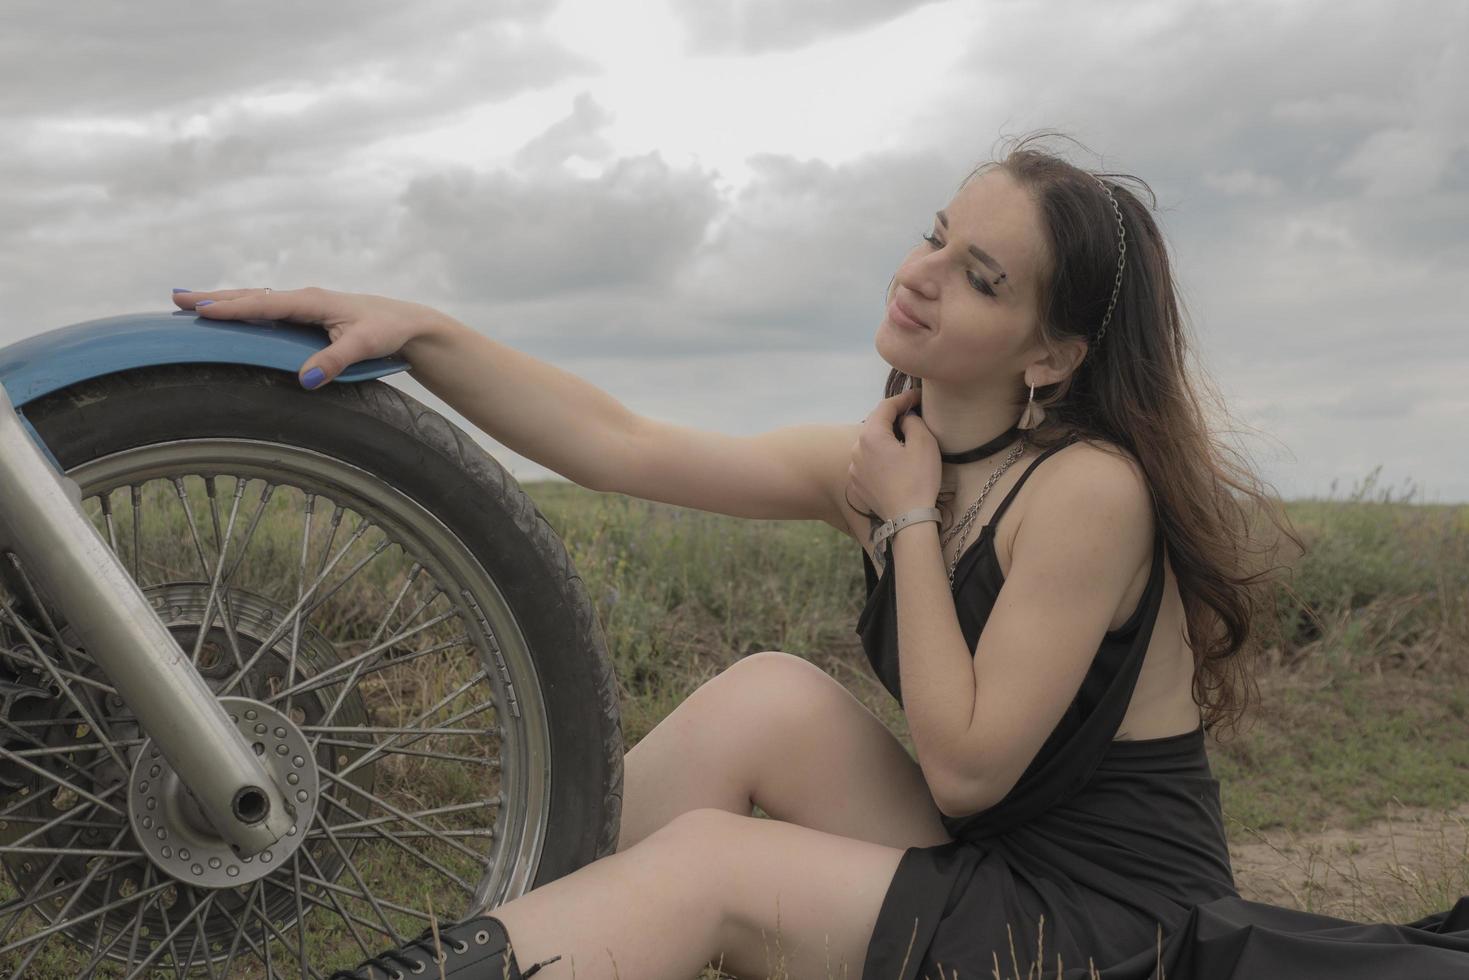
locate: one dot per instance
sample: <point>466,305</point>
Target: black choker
<point>980,452</point>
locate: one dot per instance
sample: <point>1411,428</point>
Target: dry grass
<point>1365,686</point>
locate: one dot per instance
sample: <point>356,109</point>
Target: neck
<point>961,420</point>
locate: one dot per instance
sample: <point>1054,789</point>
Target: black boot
<point>476,948</point>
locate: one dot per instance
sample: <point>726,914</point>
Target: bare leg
<point>706,887</point>
<point>777,731</point>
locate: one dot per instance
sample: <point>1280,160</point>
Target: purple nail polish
<point>313,378</point>
<point>178,290</point>
<point>203,302</point>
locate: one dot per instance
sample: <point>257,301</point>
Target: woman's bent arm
<point>536,409</point>
<point>574,428</point>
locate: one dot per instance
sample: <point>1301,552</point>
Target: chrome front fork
<point>41,520</point>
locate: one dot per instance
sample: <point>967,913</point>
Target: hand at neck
<point>963,420</point>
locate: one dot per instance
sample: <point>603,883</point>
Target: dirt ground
<point>1413,862</point>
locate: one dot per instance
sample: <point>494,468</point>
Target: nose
<point>920,275</point>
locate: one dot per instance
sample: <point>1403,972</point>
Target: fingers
<point>187,298</point>
<point>889,409</point>
<point>301,305</point>
<point>308,305</point>
<point>332,360</point>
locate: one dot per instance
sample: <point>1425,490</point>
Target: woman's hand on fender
<point>360,326</point>
<point>889,476</point>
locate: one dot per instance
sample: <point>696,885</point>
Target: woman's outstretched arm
<point>557,419</point>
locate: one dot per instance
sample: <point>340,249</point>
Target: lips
<point>904,317</point>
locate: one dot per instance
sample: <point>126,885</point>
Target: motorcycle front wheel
<point>354,563</point>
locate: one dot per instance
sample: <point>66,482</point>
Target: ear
<point>1057,364</point>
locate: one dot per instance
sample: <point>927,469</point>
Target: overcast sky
<point>697,204</point>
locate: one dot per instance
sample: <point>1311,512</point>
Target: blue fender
<point>47,362</point>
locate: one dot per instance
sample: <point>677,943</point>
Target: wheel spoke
<point>22,802</point>
<point>86,709</point>
<point>413,574</point>
<point>350,920</point>
<point>391,838</point>
<point>104,951</point>
<point>300,911</point>
<point>338,887</point>
<point>66,816</point>
<point>405,729</point>
<point>437,811</point>
<point>136,496</point>
<point>262,952</point>
<point>300,594</point>
<point>323,679</point>
<point>266,492</point>
<point>265,919</point>
<point>168,939</point>
<point>221,544</point>
<point>419,732</point>
<point>63,749</point>
<point>106,501</point>
<point>183,498</point>
<point>240,927</point>
<point>102,687</point>
<point>71,822</point>
<point>346,915</point>
<point>71,851</point>
<point>372,899</point>
<point>20,904</point>
<point>26,763</point>
<point>337,586</point>
<point>269,642</point>
<point>91,913</point>
<point>468,760</point>
<point>408,834</point>
<point>197,942</point>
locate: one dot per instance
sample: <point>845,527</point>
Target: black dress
<point>1117,845</point>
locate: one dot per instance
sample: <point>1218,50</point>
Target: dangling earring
<point>1033,415</point>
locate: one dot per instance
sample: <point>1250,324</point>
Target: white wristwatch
<point>887,529</point>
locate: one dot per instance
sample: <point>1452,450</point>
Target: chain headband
<point>1121,258</point>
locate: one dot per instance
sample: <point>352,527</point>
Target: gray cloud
<point>512,236</point>
<point>806,254</point>
<point>212,139</point>
<point>649,260</point>
<point>755,26</point>
<point>578,135</point>
<point>1312,164</point>
<point>93,57</point>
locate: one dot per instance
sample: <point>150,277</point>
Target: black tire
<point>381,430</point>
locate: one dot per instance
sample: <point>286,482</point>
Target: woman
<point>1069,617</point>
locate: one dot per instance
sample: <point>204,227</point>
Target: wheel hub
<point>174,832</point>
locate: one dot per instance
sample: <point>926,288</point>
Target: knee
<point>700,835</point>
<point>774,681</point>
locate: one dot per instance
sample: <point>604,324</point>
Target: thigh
<point>813,755</point>
<point>793,902</point>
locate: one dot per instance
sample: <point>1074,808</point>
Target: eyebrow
<point>974,250</point>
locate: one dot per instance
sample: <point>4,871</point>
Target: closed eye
<point>977,282</point>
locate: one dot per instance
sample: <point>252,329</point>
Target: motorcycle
<point>285,675</point>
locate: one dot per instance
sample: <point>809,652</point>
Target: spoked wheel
<point>383,614</point>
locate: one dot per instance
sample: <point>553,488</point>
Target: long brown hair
<point>1141,390</point>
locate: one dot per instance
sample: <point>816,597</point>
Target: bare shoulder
<point>1090,491</point>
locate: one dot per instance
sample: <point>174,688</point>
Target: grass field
<point>1364,685</point>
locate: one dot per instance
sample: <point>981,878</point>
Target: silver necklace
<point>961,526</point>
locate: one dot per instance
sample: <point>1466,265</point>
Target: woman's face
<point>972,285</point>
